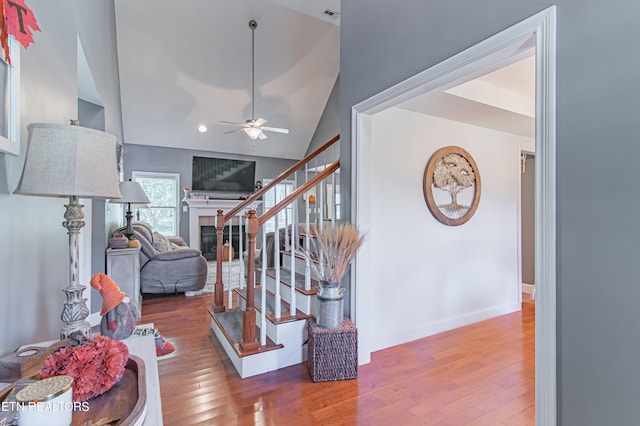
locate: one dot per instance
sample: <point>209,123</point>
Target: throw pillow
<point>160,242</point>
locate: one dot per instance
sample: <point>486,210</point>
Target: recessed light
<point>202,128</point>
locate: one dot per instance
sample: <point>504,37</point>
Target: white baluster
<point>263,289</point>
<point>286,222</point>
<point>230,258</point>
<point>276,265</point>
<point>292,269</point>
<point>263,269</point>
<point>241,249</point>
<point>333,199</point>
<point>307,268</point>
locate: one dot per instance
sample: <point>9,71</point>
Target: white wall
<point>425,277</point>
<point>34,253</point>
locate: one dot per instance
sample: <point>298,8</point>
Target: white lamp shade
<point>65,160</point>
<point>132,193</point>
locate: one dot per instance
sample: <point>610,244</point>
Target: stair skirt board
<point>246,366</point>
<point>291,337</point>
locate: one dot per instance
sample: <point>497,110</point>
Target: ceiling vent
<point>331,13</point>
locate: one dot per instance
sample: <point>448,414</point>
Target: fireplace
<point>202,213</point>
<point>209,240</point>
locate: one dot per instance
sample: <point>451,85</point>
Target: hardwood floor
<point>482,374</point>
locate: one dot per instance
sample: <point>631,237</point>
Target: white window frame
<point>135,175</point>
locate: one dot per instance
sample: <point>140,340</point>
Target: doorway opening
<point>537,32</point>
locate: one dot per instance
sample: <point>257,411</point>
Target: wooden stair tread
<point>285,278</point>
<point>230,322</point>
<point>285,315</point>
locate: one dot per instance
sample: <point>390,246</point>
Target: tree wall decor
<point>451,185</point>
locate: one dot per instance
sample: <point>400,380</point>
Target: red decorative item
<point>95,365</point>
<point>4,33</point>
<point>18,21</point>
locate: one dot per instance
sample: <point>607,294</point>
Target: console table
<point>143,347</point>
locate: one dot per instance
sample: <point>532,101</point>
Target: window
<point>273,197</point>
<point>162,189</point>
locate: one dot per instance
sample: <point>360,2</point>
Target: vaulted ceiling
<point>188,64</point>
<point>184,64</point>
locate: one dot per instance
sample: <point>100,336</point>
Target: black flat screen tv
<point>223,175</point>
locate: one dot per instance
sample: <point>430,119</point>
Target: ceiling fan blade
<point>275,129</point>
<point>233,131</point>
<point>262,136</point>
<point>231,122</point>
<point>260,121</point>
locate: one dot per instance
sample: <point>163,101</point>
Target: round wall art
<point>451,185</point>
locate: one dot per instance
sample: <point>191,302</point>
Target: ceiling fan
<point>253,127</point>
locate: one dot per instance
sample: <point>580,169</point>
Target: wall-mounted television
<point>223,175</point>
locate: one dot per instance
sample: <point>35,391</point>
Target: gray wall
<point>329,124</point>
<point>34,259</point>
<point>92,116</point>
<point>597,151</point>
<point>142,158</point>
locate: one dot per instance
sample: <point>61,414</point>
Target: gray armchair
<point>168,265</point>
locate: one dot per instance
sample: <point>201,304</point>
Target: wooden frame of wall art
<point>451,185</point>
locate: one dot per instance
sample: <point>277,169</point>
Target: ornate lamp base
<point>75,309</point>
<point>74,313</point>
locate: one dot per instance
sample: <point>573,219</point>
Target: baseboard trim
<point>404,336</point>
<point>528,288</point>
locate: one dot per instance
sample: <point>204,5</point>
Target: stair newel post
<point>249,342</point>
<point>218,304</point>
<point>229,260</point>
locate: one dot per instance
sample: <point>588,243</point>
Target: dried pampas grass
<point>331,250</point>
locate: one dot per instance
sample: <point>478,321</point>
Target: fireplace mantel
<point>209,208</point>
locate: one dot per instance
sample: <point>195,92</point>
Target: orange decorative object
<point>312,198</point>
<point>109,290</point>
<point>225,253</point>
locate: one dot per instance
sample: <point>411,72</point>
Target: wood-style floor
<point>482,374</point>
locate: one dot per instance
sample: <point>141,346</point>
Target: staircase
<point>262,327</point>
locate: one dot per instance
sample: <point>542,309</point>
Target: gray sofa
<point>168,265</point>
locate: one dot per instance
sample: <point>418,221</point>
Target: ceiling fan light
<point>252,132</point>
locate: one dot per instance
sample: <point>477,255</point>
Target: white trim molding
<point>492,52</point>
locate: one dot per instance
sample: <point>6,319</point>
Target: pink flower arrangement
<point>95,365</point>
